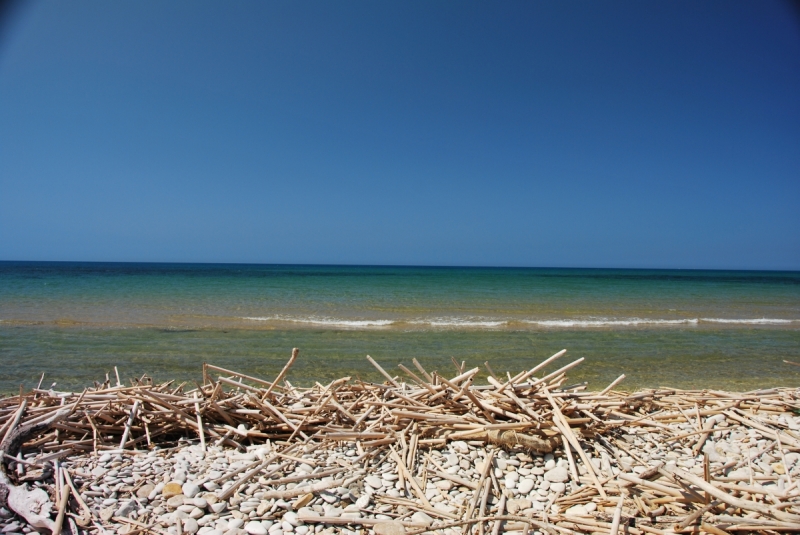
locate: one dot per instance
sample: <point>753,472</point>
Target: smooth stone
<point>106,514</point>
<point>190,490</point>
<point>558,487</point>
<point>190,525</point>
<point>291,517</point>
<point>444,484</point>
<point>217,507</point>
<point>235,523</point>
<point>557,474</point>
<point>374,482</point>
<point>301,530</point>
<point>307,512</point>
<point>577,510</point>
<point>514,506</point>
<point>202,503</point>
<point>389,528</point>
<point>362,501</point>
<point>525,485</point>
<point>171,489</point>
<point>145,490</point>
<point>196,513</point>
<point>460,446</point>
<point>175,501</point>
<point>98,471</point>
<point>422,518</point>
<point>255,528</point>
<point>328,497</point>
<point>127,508</point>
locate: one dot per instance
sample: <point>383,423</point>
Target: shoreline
<point>243,455</point>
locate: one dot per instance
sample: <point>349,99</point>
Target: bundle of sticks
<point>654,461</point>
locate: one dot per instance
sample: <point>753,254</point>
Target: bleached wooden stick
<point>128,425</point>
<point>284,371</point>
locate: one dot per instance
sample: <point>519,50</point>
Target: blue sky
<point>586,134</point>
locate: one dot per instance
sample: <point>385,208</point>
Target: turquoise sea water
<point>75,321</point>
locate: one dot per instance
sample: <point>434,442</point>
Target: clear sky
<point>586,134</point>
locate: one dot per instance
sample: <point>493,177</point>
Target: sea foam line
<point>626,322</point>
<point>492,323</point>
<point>326,321</point>
<point>756,321</point>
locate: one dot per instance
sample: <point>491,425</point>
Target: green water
<point>676,328</point>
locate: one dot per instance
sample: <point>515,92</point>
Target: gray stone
<point>145,490</point>
<point>557,474</point>
<point>307,512</point>
<point>255,528</point>
<point>127,508</point>
<point>421,518</point>
<point>190,525</point>
<point>460,446</point>
<point>514,506</point>
<point>291,517</point>
<point>373,481</point>
<point>190,490</point>
<point>389,528</point>
<point>525,486</point>
<point>217,507</point>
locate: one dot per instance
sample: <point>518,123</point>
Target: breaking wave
<point>332,322</point>
<point>495,323</point>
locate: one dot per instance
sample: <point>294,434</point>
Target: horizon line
<point>410,266</point>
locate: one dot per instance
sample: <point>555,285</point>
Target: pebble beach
<point>524,455</point>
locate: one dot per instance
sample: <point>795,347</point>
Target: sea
<point>68,325</point>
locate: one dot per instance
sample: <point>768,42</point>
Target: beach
<point>421,451</point>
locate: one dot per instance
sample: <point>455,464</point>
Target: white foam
<point>756,321</point>
<point>460,322</point>
<point>492,323</point>
<point>625,322</point>
<point>325,321</point>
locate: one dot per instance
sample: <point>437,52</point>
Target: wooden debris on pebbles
<point>425,451</point>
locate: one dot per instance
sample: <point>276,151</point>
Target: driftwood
<point>33,505</point>
<point>528,414</point>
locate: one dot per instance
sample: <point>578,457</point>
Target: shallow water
<point>676,328</point>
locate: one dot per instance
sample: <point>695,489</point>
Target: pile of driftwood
<point>419,409</point>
